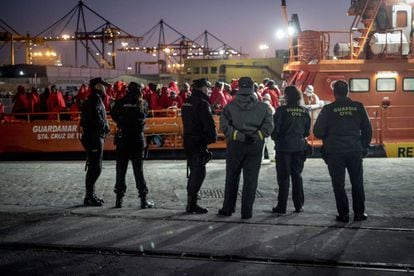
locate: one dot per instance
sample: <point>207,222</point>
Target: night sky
<point>243,24</point>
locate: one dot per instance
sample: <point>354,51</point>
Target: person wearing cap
<point>94,128</point>
<point>292,126</point>
<point>245,122</point>
<point>129,113</point>
<point>199,131</point>
<point>346,131</point>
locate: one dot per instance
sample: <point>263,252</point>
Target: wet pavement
<point>46,230</point>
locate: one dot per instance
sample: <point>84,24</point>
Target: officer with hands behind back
<point>129,113</point>
<point>199,131</point>
<point>346,132</point>
<point>94,128</point>
<point>245,122</point>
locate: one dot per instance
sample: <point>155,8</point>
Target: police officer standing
<point>292,126</point>
<point>129,113</point>
<point>245,122</point>
<point>94,128</point>
<point>199,131</point>
<point>346,131</point>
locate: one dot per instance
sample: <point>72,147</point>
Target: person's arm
<point>267,125</point>
<point>209,126</point>
<point>307,123</point>
<point>321,125</point>
<point>277,121</point>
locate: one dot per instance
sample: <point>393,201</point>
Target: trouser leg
<point>95,155</point>
<point>355,170</point>
<point>297,162</point>
<point>121,169</point>
<point>197,174</point>
<point>283,162</point>
<point>138,166</point>
<point>336,167</point>
<point>234,158</point>
<point>251,169</point>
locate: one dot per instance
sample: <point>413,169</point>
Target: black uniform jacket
<point>344,126</point>
<point>93,118</point>
<point>198,123</point>
<point>292,126</point>
<point>130,116</point>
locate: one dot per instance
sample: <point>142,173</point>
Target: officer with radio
<point>199,131</point>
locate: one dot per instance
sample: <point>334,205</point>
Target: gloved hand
<point>249,139</point>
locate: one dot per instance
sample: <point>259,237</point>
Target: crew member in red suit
<point>83,94</point>
<point>120,90</point>
<point>154,98</point>
<point>165,95</point>
<point>217,99</point>
<point>227,92</point>
<point>174,100</point>
<point>234,84</point>
<point>74,108</point>
<point>34,100</point>
<point>186,92</point>
<point>274,93</point>
<point>172,86</point>
<point>21,101</point>
<point>55,102</point>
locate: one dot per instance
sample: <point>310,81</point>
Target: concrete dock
<point>46,230</point>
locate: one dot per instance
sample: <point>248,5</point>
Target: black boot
<point>145,204</point>
<point>193,208</point>
<point>92,200</point>
<point>119,201</point>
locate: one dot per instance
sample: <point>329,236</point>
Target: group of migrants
<point>247,119</point>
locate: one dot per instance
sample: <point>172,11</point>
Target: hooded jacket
<point>246,116</point>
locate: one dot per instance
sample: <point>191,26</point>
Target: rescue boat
<point>375,56</point>
<point>24,133</point>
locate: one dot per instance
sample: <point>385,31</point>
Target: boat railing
<point>389,123</point>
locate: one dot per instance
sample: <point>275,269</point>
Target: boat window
<point>401,19</point>
<point>386,84</point>
<point>196,70</point>
<point>408,84</point>
<point>213,70</point>
<point>358,85</point>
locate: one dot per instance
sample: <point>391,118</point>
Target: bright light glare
<point>280,34</point>
<point>65,36</point>
<point>263,47</point>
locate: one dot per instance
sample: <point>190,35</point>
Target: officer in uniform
<point>199,131</point>
<point>94,128</point>
<point>245,122</point>
<point>346,131</point>
<point>129,113</point>
<point>292,126</point>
